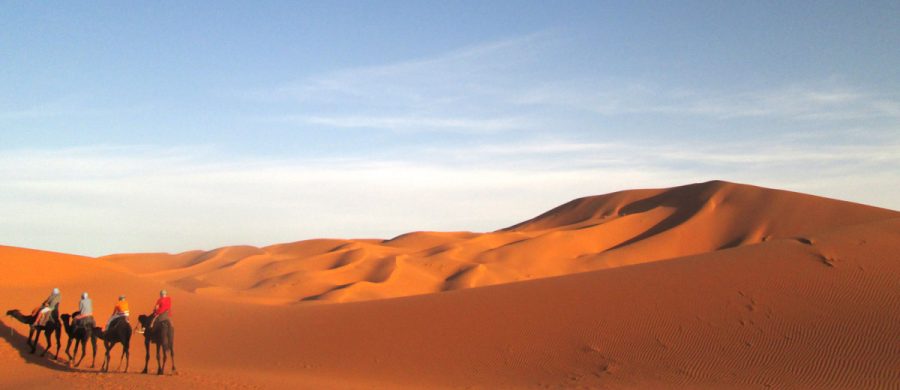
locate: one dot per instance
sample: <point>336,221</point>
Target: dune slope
<point>599,232</point>
<point>809,297</point>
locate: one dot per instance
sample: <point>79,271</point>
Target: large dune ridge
<point>705,285</point>
<point>593,233</point>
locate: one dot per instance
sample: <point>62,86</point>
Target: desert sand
<point>706,285</point>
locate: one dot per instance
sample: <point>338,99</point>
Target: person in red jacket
<point>163,308</point>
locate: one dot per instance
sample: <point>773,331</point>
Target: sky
<point>171,126</point>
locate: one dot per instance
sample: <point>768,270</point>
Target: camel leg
<point>165,358</point>
<point>68,345</point>
<point>31,331</point>
<point>171,340</point>
<point>159,370</point>
<point>93,350</point>
<point>105,366</point>
<point>127,353</point>
<point>58,343</point>
<point>47,336</point>
<point>37,336</point>
<point>172,351</point>
<point>146,358</point>
<point>83,351</point>
<point>75,353</point>
<point>122,357</point>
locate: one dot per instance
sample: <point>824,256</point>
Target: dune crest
<point>728,285</point>
<point>592,233</point>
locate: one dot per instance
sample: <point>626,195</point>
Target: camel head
<point>21,317</point>
<point>66,317</point>
<point>144,320</point>
<point>65,320</point>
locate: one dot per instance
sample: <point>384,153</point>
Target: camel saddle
<point>159,322</point>
<point>117,321</point>
<point>45,318</point>
<point>85,323</point>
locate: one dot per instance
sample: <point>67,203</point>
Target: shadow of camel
<point>20,343</point>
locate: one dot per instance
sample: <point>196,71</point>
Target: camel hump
<point>163,323</point>
<point>119,321</point>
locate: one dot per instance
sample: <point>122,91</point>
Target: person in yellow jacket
<point>121,310</point>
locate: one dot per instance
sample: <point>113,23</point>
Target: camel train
<point>81,329</point>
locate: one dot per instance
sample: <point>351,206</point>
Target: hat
<point>56,291</point>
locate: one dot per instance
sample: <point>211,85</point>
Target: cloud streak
<point>410,123</point>
<point>800,102</point>
<point>172,200</point>
<point>121,199</point>
<point>464,90</point>
<point>480,138</point>
<point>516,85</point>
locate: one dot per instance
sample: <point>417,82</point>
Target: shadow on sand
<point>20,343</point>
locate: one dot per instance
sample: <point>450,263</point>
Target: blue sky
<point>166,126</point>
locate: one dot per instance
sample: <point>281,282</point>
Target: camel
<point>163,335</point>
<point>81,335</point>
<point>119,332</point>
<point>51,327</point>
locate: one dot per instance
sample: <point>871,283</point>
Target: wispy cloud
<point>51,109</point>
<point>410,122</point>
<point>786,149</point>
<point>424,81</point>
<point>517,85</point>
<point>461,90</point>
<point>175,199</point>
<point>808,103</point>
<point>526,137</point>
<point>149,198</point>
<point>797,102</point>
<point>64,107</point>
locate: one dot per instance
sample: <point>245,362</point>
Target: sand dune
<point>707,285</point>
<point>593,233</point>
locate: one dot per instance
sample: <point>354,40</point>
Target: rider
<point>85,308</point>
<point>48,307</point>
<point>162,309</point>
<point>121,310</point>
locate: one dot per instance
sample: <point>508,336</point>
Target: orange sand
<point>706,285</point>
